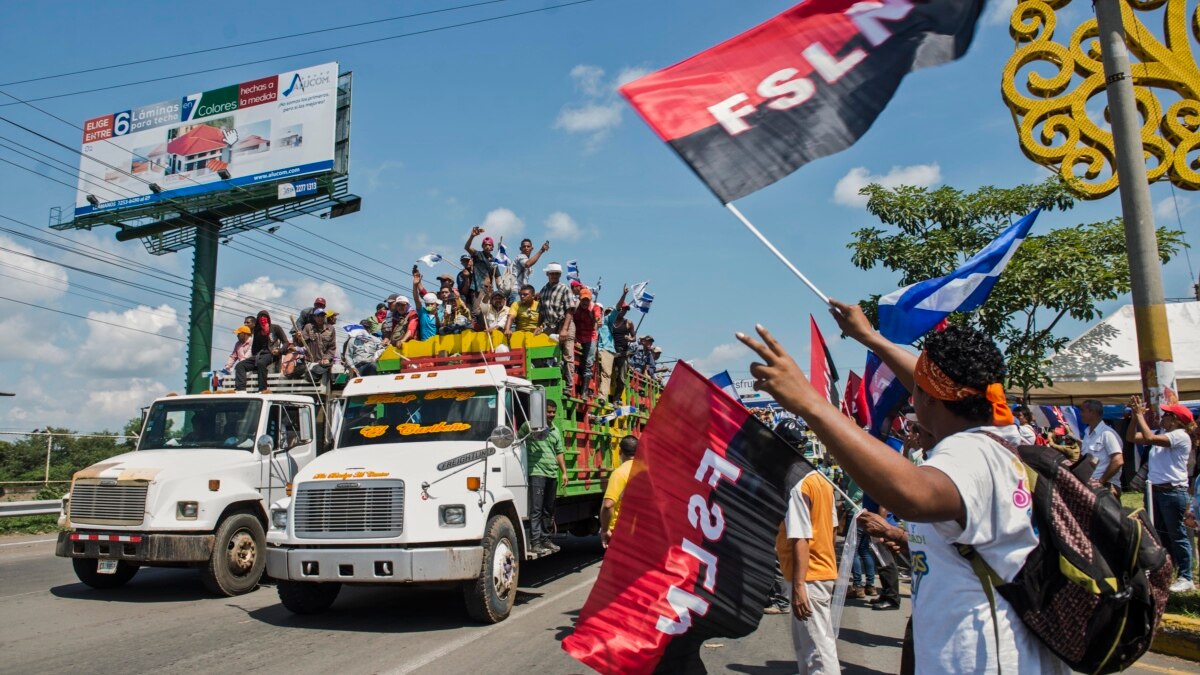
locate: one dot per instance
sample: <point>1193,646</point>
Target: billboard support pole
<point>204,286</point>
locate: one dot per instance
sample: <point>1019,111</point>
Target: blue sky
<point>514,125</point>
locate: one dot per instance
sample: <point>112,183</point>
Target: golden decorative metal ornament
<point>1052,122</point>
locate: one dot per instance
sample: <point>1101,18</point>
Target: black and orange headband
<point>938,384</point>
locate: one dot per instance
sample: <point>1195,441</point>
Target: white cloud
<point>589,118</point>
<point>601,110</point>
<point>502,223</point>
<point>29,280</point>
<point>18,342</point>
<point>846,192</point>
<point>560,226</point>
<point>628,75</point>
<point>722,357</point>
<point>114,351</point>
<point>587,79</point>
<point>124,402</point>
<point>1165,211</point>
<point>999,12</point>
<point>374,175</point>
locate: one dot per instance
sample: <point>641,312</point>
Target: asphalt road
<point>163,621</point>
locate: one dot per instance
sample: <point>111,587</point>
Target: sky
<point>514,125</point>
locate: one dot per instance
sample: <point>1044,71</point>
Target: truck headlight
<point>186,510</point>
<point>279,519</point>
<point>452,515</point>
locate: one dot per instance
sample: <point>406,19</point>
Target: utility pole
<point>1145,271</point>
<point>204,285</point>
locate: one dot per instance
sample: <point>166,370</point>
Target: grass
<point>29,524</point>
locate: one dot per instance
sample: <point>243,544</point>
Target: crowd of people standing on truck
<point>599,346</point>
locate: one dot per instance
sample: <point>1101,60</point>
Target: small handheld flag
<point>910,312</point>
<point>821,371</point>
<point>573,271</point>
<point>432,259</point>
<point>725,382</point>
<point>884,391</point>
<point>641,299</point>
<point>501,258</point>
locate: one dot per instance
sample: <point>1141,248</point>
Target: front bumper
<point>136,547</point>
<point>377,566</point>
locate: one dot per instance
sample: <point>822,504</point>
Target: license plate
<point>106,566</point>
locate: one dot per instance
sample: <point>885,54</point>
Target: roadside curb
<point>1178,636</point>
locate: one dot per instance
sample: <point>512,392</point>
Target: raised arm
<point>855,325</point>
<point>1144,435</point>
<point>919,494</point>
<point>475,232</point>
<point>417,289</point>
<point>532,260</point>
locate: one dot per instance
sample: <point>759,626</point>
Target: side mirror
<point>502,437</point>
<point>537,409</point>
<point>266,445</point>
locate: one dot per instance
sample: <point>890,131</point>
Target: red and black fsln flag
<point>693,553</point>
<point>805,84</point>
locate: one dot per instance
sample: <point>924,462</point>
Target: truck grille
<point>123,503</point>
<point>364,509</point>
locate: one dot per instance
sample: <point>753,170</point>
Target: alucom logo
<point>304,83</point>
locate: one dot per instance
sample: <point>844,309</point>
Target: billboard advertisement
<point>266,130</point>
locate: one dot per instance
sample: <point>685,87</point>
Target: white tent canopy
<point>1102,363</point>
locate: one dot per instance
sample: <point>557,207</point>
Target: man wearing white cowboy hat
<point>556,306</point>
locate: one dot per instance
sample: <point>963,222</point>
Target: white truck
<point>428,484</point>
<point>194,493</point>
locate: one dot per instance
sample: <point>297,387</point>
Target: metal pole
<point>49,445</point>
<point>204,287</point>
<point>1145,270</point>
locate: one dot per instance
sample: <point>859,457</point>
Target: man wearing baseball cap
<point>623,336</point>
<point>404,325</point>
<point>241,348</point>
<point>1169,453</point>
<point>426,311</point>
<point>484,268</point>
<point>306,315</point>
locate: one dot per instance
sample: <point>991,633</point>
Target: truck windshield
<point>201,423</point>
<point>415,417</point>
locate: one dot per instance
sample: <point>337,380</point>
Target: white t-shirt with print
<point>1169,464</point>
<point>952,619</point>
<point>1102,442</point>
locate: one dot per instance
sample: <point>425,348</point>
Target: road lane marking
<point>18,595</point>
<point>26,543</point>
<point>474,635</point>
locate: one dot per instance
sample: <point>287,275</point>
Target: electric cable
<point>248,43</point>
<point>309,52</point>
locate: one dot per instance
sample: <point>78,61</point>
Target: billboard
<point>267,130</point>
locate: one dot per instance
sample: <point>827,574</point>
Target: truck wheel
<point>490,597</point>
<point>238,558</point>
<point>307,597</point>
<point>85,569</point>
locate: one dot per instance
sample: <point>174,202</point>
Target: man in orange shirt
<point>813,573</point>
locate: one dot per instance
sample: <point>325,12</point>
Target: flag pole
<point>754,230</point>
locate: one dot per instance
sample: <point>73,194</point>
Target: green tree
<point>1065,272</point>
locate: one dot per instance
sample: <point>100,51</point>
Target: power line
<point>348,45</point>
<point>88,318</point>
<point>237,45</point>
<point>74,173</point>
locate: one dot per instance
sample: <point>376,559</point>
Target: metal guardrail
<point>41,507</point>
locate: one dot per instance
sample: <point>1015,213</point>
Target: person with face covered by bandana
<point>971,491</point>
<point>268,342</point>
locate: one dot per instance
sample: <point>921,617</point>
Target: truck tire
<point>85,569</point>
<point>307,597</point>
<point>238,557</point>
<point>489,598</point>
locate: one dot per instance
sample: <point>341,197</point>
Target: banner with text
<point>266,130</point>
<point>693,553</point>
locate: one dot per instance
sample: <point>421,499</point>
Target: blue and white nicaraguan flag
<point>910,312</point>
<point>573,271</point>
<point>885,392</point>
<point>641,299</point>
<point>725,382</point>
<point>501,258</point>
<point>432,259</point>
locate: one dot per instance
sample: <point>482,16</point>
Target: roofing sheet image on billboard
<point>270,129</point>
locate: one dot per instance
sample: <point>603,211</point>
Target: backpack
<point>1094,588</point>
